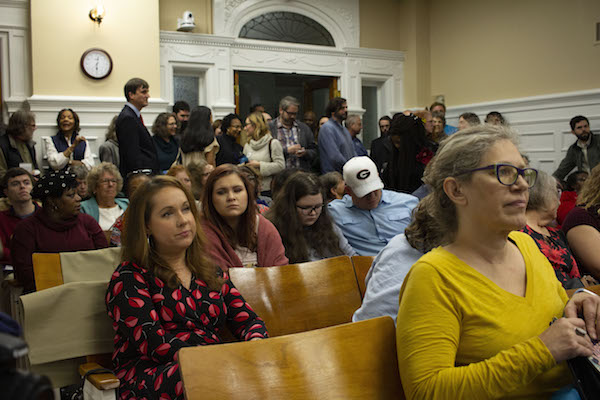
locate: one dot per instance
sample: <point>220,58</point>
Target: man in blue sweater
<point>335,142</point>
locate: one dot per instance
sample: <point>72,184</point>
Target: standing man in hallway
<point>296,137</point>
<point>136,147</point>
<point>354,126</point>
<point>584,154</point>
<point>181,109</point>
<point>335,142</point>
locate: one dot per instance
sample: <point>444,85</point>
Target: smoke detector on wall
<point>186,23</point>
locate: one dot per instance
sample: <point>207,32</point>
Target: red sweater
<point>40,234</point>
<point>568,201</point>
<point>8,222</point>
<point>270,251</point>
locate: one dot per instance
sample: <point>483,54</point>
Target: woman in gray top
<point>307,231</point>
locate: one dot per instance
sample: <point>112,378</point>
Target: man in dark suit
<point>136,147</point>
<point>296,137</point>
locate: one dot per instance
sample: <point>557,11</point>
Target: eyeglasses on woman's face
<point>307,210</point>
<point>508,174</point>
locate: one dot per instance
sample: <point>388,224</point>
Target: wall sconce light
<point>97,13</point>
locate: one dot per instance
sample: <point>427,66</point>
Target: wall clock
<point>96,63</point>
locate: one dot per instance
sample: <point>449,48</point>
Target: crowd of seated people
<point>448,261</point>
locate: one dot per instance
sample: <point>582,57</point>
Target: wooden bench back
<point>301,297</point>
<point>349,361</point>
<point>362,265</point>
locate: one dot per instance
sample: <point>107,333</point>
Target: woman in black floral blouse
<point>541,212</point>
<point>166,294</point>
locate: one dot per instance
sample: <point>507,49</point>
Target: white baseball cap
<point>360,173</point>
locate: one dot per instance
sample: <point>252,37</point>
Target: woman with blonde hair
<point>476,312</point>
<point>166,294</point>
<point>263,152</point>
<point>582,225</point>
<point>104,183</point>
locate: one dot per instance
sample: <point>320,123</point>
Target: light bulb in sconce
<point>97,13</point>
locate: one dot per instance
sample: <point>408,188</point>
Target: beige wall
<point>61,34</point>
<point>483,50</point>
<point>170,10</point>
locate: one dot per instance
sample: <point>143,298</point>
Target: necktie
<point>142,119</point>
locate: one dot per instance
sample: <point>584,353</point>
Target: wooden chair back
<point>47,272</point>
<point>362,265</point>
<point>300,297</point>
<point>595,289</point>
<point>349,361</point>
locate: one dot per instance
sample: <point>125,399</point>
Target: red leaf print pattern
<point>189,325</point>
<point>163,349</point>
<point>164,396</point>
<point>237,303</point>
<point>201,283</point>
<point>172,370</point>
<point>176,295</point>
<point>144,292</point>
<point>204,319</point>
<point>117,288</point>
<point>158,382</point>
<point>117,313</point>
<point>197,294</point>
<point>170,326</point>
<point>213,310</point>
<point>130,374</point>
<point>183,336</point>
<point>166,314</point>
<point>159,283</point>
<point>136,302</point>
<point>144,347</point>
<point>241,316</point>
<point>121,374</point>
<point>179,388</point>
<point>138,277</point>
<point>154,315</point>
<point>157,298</point>
<point>180,308</point>
<point>214,295</point>
<point>225,289</point>
<point>160,332</point>
<point>234,292</point>
<point>191,303</point>
<point>137,333</point>
<point>131,321</point>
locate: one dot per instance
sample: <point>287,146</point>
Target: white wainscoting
<point>542,121</point>
<point>95,114</point>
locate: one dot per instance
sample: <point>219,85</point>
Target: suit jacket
<point>381,152</point>
<point>306,139</point>
<point>136,147</point>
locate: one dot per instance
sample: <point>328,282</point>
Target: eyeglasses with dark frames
<point>307,210</point>
<point>508,174</point>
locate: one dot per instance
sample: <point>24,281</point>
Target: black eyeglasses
<point>508,174</point>
<point>309,209</point>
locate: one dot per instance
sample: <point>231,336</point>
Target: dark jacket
<point>381,152</point>
<point>12,155</point>
<point>574,158</point>
<point>306,139</point>
<point>230,151</point>
<point>136,147</point>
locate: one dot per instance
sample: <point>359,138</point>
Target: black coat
<point>136,147</point>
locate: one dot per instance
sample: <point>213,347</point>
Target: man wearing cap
<point>369,216</point>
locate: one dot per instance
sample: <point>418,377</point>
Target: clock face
<point>96,63</point>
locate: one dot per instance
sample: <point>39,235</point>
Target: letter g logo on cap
<point>363,174</point>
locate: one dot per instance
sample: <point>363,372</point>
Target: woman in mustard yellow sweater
<point>474,313</point>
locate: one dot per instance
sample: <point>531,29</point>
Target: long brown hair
<point>298,239</point>
<point>245,235</point>
<point>137,248</point>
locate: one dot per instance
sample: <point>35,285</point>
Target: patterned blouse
<point>557,251</point>
<point>152,322</point>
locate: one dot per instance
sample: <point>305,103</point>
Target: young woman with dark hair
<point>300,215</point>
<point>239,236</point>
<point>199,140</point>
<point>167,294</point>
<point>164,129</point>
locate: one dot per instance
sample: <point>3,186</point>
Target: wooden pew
<point>349,361</point>
<point>362,265</point>
<point>301,297</point>
<point>595,289</point>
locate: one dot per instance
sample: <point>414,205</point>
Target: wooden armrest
<point>104,381</point>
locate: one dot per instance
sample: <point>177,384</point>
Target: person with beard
<point>335,142</point>
<point>181,109</point>
<point>584,153</point>
<point>17,146</point>
<point>297,138</point>
<point>411,153</point>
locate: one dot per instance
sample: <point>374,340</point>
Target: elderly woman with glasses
<point>104,183</point>
<point>476,312</point>
<point>307,231</point>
